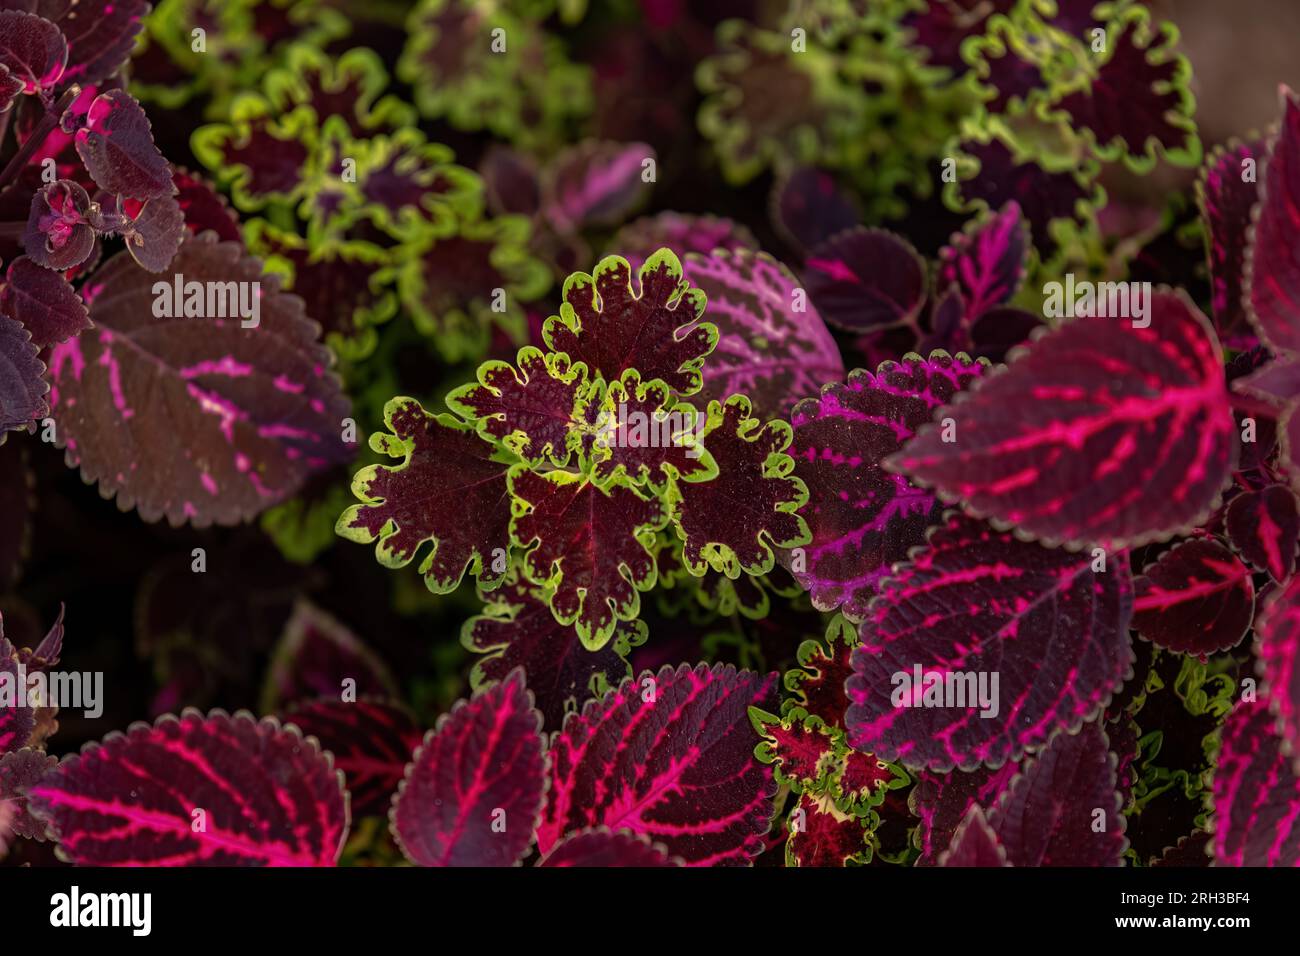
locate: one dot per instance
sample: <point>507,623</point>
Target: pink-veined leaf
<point>32,49</point>
<point>20,770</point>
<point>1277,650</point>
<point>772,347</point>
<point>865,280</point>
<point>974,843</point>
<point>595,184</point>
<point>1100,432</point>
<point>517,629</point>
<point>1256,793</point>
<point>655,328</point>
<point>604,848</point>
<point>315,655</point>
<point>1272,267</point>
<point>199,415</point>
<point>532,407</point>
<point>22,378</point>
<point>732,523</point>
<point>267,796</point>
<point>671,756</point>
<point>942,801</point>
<point>205,208</point>
<point>802,751</point>
<point>817,683</point>
<point>449,490</point>
<point>978,606</point>
<point>1197,598</point>
<point>116,144</point>
<point>100,33</point>
<point>1049,814</point>
<point>589,543</point>
<point>482,766</point>
<point>986,261</point>
<point>371,741</point>
<point>155,233</point>
<point>1264,525</point>
<point>1227,196</point>
<point>863,520</point>
<point>58,235</point>
<point>44,301</point>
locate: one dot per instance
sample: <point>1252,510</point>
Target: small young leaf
<point>58,235</point>
<point>1256,793</point>
<point>116,144</point>
<point>1198,598</point>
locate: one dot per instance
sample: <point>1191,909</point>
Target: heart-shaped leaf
<point>450,489</point>
<point>865,280</point>
<point>1256,793</point>
<point>946,679</point>
<point>1101,432</point>
<point>44,301</point>
<point>670,756</point>
<point>206,399</point>
<point>1197,598</point>
<point>863,520</point>
<point>116,144</point>
<point>197,791</point>
<point>772,344</point>
<point>654,329</point>
<point>474,789</point>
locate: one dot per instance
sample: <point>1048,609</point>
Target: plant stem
<point>46,127</point>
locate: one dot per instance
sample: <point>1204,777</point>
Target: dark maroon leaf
<point>655,328</point>
<point>10,88</point>
<point>1227,196</point>
<point>647,436</point>
<point>22,380</point>
<point>197,791</point>
<point>600,847</point>
<point>17,511</point>
<point>809,207</point>
<point>197,416</point>
<point>670,756</point>
<point>946,678</point>
<point>1256,793</point>
<point>865,280</point>
<point>862,519</point>
<point>974,844</point>
<point>371,741</point>
<point>116,144</point>
<point>595,184</point>
<point>44,301</point>
<point>986,262</point>
<point>517,629</point>
<point>1277,650</point>
<point>1063,808</point>
<point>474,790</point>
<point>942,801</point>
<point>19,772</point>
<point>1272,270</point>
<point>205,208</point>
<point>58,235</point>
<point>590,544</point>
<point>512,181</point>
<point>940,26</point>
<point>1042,196</point>
<point>1196,599</point>
<point>773,346</point>
<point>1101,432</point>
<point>154,235</point>
<point>1264,526</point>
<point>683,233</point>
<point>32,49</point>
<point>315,656</point>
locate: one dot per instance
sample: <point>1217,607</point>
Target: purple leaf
<point>44,301</point>
<point>1101,432</point>
<point>511,181</point>
<point>1272,270</point>
<point>58,235</point>
<point>1264,526</point>
<point>1227,200</point>
<point>155,234</point>
<point>474,790</point>
<point>942,801</point>
<point>19,772</point>
<point>17,512</point>
<point>670,756</point>
<point>313,658</point>
<point>1256,793</point>
<point>100,33</point>
<point>116,144</point>
<point>862,519</point>
<point>1196,599</point>
<point>370,740</point>
<point>638,240</point>
<point>974,844</point>
<point>205,208</point>
<point>1045,624</point>
<point>772,345</point>
<point>986,262</point>
<point>865,280</point>
<point>1063,808</point>
<point>32,49</point>
<point>808,207</point>
<point>197,416</point>
<point>1042,196</point>
<point>1277,650</point>
<point>22,381</point>
<point>595,184</point>
<point>601,847</point>
<point>267,796</point>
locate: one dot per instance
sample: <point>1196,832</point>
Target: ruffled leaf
<point>473,791</point>
<point>32,49</point>
<point>267,796</point>
<point>1046,625</point>
<point>802,751</point>
<point>817,683</point>
<point>1101,432</point>
<point>670,756</point>
<point>822,835</point>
